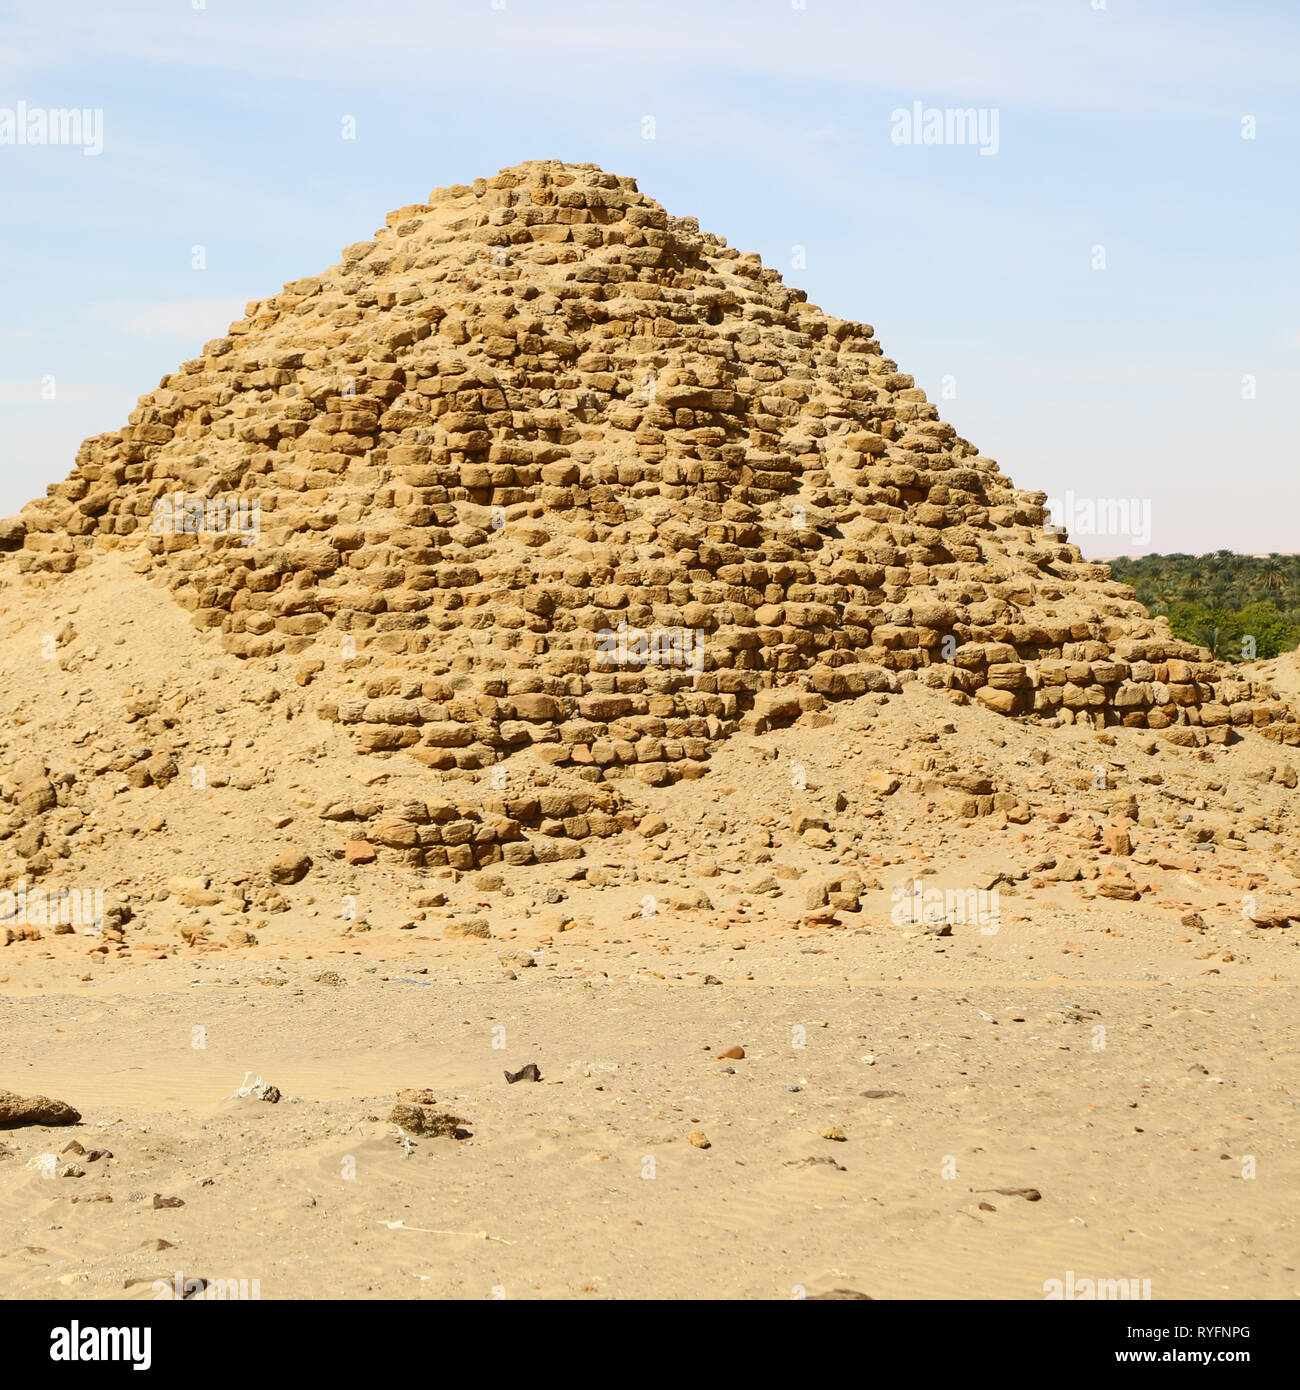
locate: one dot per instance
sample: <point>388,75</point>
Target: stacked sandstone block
<point>540,410</point>
<point>525,826</point>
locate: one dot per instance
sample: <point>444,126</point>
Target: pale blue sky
<point>1119,127</point>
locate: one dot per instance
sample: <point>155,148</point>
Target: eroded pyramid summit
<point>544,468</point>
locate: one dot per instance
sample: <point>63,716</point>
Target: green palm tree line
<point>1221,599</point>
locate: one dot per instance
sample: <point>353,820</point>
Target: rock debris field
<point>539,766</point>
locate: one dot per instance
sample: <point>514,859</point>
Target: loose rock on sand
<point>16,1110</point>
<point>610,622</point>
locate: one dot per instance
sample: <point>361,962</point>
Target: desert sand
<point>930,932</point>
<point>952,1065</point>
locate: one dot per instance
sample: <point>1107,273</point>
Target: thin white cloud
<point>1017,52</point>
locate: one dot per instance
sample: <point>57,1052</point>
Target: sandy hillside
<point>1129,1067</point>
<point>538,765</point>
<point>1282,672</point>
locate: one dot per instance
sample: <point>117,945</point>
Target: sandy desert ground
<point>951,1070</point>
<point>902,1094</point>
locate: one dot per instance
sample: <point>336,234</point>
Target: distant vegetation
<point>1239,606</point>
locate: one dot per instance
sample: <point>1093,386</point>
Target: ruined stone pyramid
<point>544,468</point>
